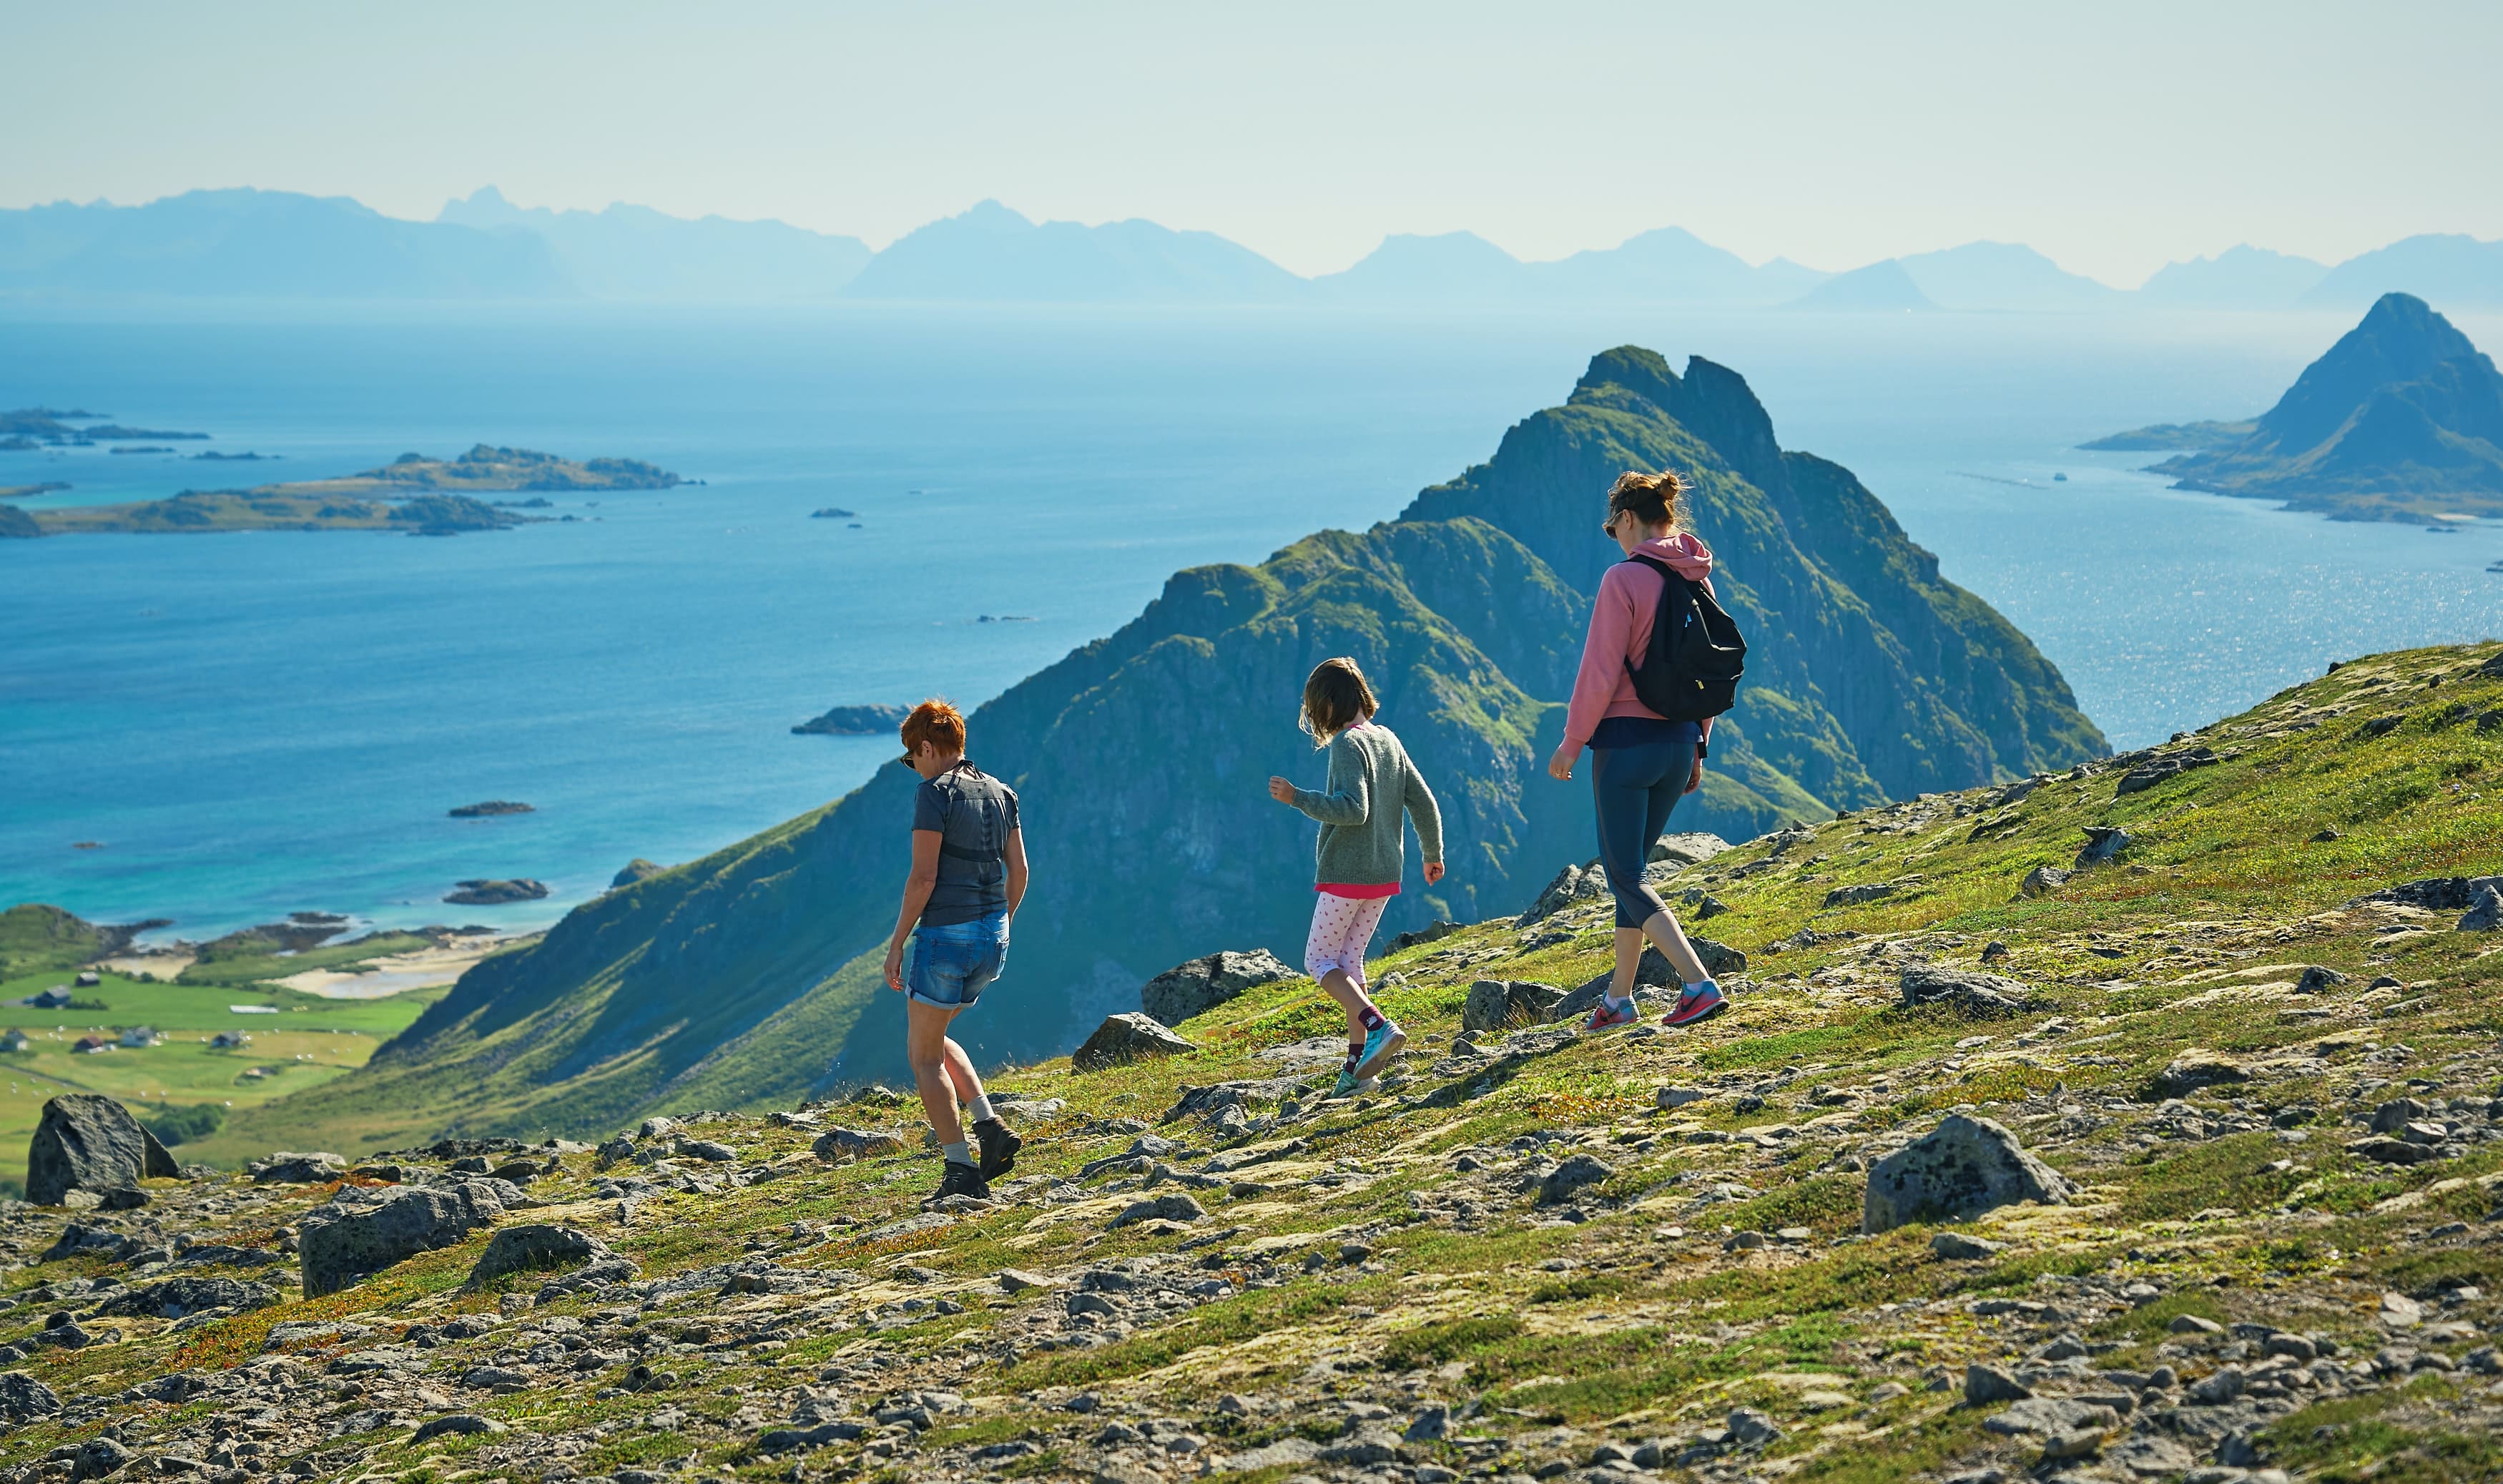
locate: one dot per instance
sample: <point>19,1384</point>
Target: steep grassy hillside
<point>1141,757</point>
<point>1522,1257</point>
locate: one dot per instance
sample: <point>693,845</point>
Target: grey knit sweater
<point>1371,784</point>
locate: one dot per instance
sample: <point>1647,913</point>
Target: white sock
<point>957,1152</point>
<point>980,1108</point>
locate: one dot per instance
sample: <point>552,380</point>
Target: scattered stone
<point>1969,992</point>
<point>2052,1417</point>
<point>1015,1280</point>
<point>1751,1429</point>
<point>1573,884</point>
<point>1966,1165</point>
<point>2436,893</point>
<point>2192,1324</point>
<point>2103,842</point>
<point>1853,896</point>
<point>1175,1207</point>
<point>285,1168</point>
<point>2386,1151</point>
<point>835,1146</point>
<point>1668,1099</point>
<point>463,1423</point>
<point>88,1142</point>
<point>2485,915</point>
<point>2194,1069</point>
<point>1498,1004</point>
<point>1124,1038</point>
<point>1571,1177</point>
<point>1957,1247</point>
<point>174,1297</point>
<point>2316,979</point>
<point>360,1232</point>
<point>1194,988</point>
<point>100,1458</point>
<point>23,1398</point>
<point>2400,1312</point>
<point>1987,1384</point>
<point>2043,881</point>
<point>2157,770</point>
<point>536,1246</point>
<point>1995,951</point>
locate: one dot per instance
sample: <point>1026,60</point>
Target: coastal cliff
<point>749,976</point>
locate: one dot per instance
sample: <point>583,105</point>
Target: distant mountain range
<point>2401,420</point>
<point>245,243</point>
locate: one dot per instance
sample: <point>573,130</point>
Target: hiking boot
<point>962,1179</point>
<point>1697,1002</point>
<point>1611,1013</point>
<point>1380,1045</point>
<point>1000,1145</point>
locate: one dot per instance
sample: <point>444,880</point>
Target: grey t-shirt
<point>971,813</point>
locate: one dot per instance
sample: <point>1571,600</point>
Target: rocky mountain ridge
<point>748,976</point>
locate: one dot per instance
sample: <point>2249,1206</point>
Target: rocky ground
<point>2231,1063</point>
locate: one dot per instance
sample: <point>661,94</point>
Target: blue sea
<point>249,725</point>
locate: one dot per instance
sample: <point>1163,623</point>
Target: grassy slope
<point>1870,676</point>
<point>1614,1328</point>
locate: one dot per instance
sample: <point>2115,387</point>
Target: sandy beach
<point>418,968</point>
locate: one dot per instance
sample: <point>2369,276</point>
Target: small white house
<point>139,1037</point>
<point>14,1039</point>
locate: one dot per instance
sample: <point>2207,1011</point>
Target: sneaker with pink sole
<point>1697,1002</point>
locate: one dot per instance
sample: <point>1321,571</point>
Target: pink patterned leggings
<point>1342,928</point>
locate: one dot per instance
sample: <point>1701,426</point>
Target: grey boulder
<point>1163,1208</point>
<point>1570,1178</point>
<point>23,1398</point>
<point>1194,988</point>
<point>1126,1037</point>
<point>1497,1004</point>
<point>174,1297</point>
<point>1965,1166</point>
<point>2485,915</point>
<point>1969,992</point>
<point>2194,1069</point>
<point>2043,881</point>
<point>89,1142</point>
<point>1573,884</point>
<point>536,1246</point>
<point>2103,842</point>
<point>835,1146</point>
<point>287,1168</point>
<point>357,1235</point>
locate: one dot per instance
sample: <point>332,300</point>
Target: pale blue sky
<point>2113,136</point>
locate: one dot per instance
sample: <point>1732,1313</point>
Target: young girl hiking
<point>1371,786</point>
<point>1641,763</point>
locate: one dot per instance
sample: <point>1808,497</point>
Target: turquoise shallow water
<point>256,724</point>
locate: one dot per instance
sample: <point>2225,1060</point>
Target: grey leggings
<point>1634,788</point>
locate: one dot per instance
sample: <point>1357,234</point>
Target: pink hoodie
<point>1621,619</point>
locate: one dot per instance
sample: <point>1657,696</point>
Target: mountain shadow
<point>2401,420</point>
<point>749,977</point>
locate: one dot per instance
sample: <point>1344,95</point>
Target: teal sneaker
<point>1382,1043</point>
<point>1348,1083</point>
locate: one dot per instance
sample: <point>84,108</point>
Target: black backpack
<point>1692,668</point>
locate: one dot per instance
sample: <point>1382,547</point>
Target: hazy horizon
<point>1830,136</point>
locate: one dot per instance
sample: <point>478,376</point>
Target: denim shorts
<point>953,964</point>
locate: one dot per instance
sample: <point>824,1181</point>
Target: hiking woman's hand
<point>1560,766</point>
<point>1282,789</point>
<point>1694,779</point>
<point>895,967</point>
<point>1434,872</point>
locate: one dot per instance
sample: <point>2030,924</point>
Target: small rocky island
<point>493,807</point>
<point>414,494</point>
<point>855,721</point>
<point>2401,420</point>
<point>481,892</point>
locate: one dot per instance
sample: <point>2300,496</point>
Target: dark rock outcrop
<point>492,808</point>
<point>637,870</point>
<point>1126,1038</point>
<point>174,1298</point>
<point>536,1246</point>
<point>1969,992</point>
<point>483,892</point>
<point>1965,1166</point>
<point>853,720</point>
<point>1497,1004</point>
<point>88,1142</point>
<point>360,1233</point>
<point>1194,988</point>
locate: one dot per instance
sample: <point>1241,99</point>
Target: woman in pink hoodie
<point>1641,763</point>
